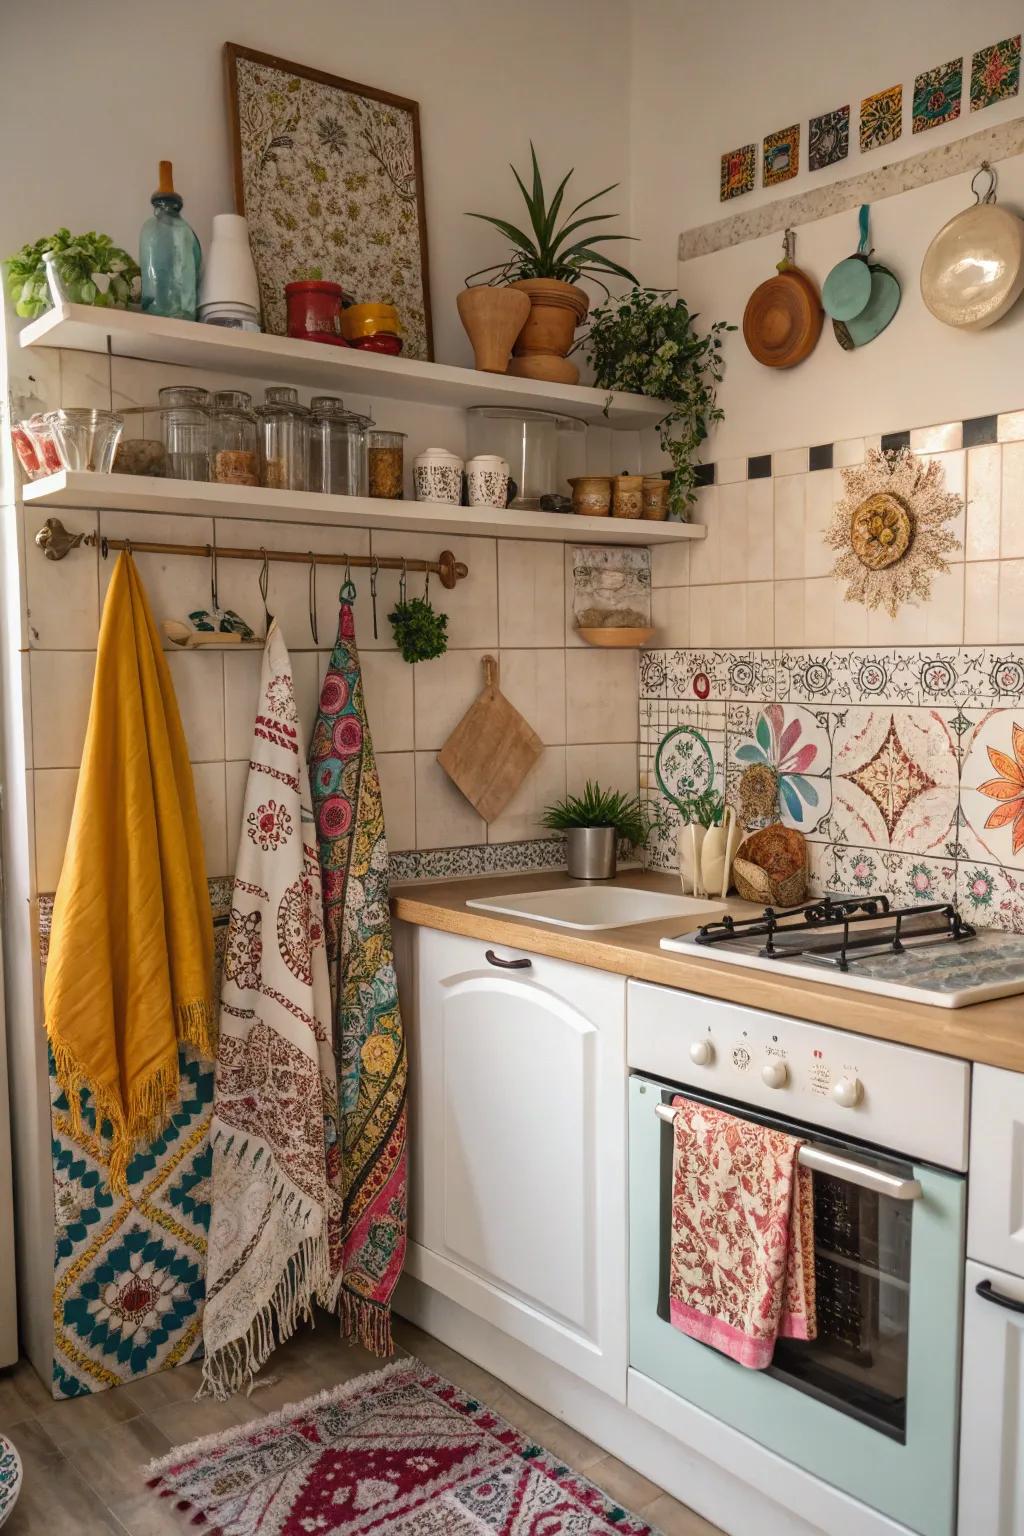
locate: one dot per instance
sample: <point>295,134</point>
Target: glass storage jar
<point>284,440</point>
<point>385,458</point>
<point>234,459</point>
<point>185,423</point>
<point>337,448</point>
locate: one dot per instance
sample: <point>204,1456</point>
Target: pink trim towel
<point>742,1260</point>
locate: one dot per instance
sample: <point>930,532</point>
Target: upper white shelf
<point>141,493</point>
<point>281,360</point>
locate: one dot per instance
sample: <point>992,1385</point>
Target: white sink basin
<point>595,906</point>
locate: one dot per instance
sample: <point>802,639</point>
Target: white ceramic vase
<point>228,284</point>
<point>487,480</point>
<point>690,844</point>
<point>437,476</point>
<point>719,846</point>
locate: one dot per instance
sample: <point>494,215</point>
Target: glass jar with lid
<point>337,448</point>
<point>234,457</point>
<point>185,423</point>
<point>386,464</point>
<point>283,440</point>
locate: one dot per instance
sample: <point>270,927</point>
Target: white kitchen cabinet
<point>995,1208</point>
<point>992,1405</point>
<point>518,1145</point>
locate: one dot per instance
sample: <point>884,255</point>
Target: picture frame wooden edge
<point>235,51</point>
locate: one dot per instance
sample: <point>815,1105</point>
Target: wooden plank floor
<point>83,1458</point>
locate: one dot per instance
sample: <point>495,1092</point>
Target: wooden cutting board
<point>491,750</point>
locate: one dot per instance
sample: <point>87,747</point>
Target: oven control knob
<point>702,1053</point>
<point>847,1091</point>
<point>775,1074</point>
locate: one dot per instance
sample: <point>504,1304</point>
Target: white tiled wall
<point>582,703</point>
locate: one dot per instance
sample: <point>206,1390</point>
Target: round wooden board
<point>783,319</point>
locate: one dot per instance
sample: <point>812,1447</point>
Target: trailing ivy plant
<point>646,343</point>
<point>420,632</point>
<point>80,259</point>
<point>598,807</point>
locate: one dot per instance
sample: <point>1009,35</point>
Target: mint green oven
<point>870,1406</point>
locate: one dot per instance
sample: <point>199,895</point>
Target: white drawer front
<point>995,1206</point>
<point>992,1406</point>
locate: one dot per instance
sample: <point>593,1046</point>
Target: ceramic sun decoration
<point>889,529</point>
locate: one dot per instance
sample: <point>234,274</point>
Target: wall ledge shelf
<point>139,493</point>
<point>315,365</point>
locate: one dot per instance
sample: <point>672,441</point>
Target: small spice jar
<point>283,440</point>
<point>591,495</point>
<point>386,464</point>
<point>627,495</point>
<point>185,423</point>
<point>234,459</point>
<point>655,498</point>
<point>337,448</point>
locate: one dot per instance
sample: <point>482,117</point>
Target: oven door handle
<point>821,1160</point>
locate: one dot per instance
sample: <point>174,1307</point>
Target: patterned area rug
<point>400,1452</point>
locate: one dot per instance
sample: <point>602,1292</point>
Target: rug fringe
<point>367,1322</point>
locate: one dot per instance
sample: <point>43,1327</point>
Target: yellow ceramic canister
<point>370,320</point>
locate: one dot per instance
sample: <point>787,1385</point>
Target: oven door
<point>870,1406</point>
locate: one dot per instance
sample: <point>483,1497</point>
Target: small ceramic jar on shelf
<point>627,498</point>
<point>655,498</point>
<point>591,495</point>
<point>437,476</point>
<point>487,480</point>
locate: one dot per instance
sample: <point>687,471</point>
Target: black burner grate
<point>838,928</point>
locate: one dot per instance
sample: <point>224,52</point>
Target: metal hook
<point>375,567</point>
<point>128,548</point>
<point>312,598</point>
<point>989,196</point>
<point>402,582</point>
<point>214,599</point>
<point>265,587</point>
<point>426,585</point>
<point>347,590</point>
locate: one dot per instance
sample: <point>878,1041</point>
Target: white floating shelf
<point>315,365</point>
<point>141,493</point>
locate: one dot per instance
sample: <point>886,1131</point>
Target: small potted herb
<point>593,824</point>
<point>76,262</point>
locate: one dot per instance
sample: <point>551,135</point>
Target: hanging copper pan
<point>783,317</point>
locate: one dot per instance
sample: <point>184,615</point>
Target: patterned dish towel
<point>275,1217</point>
<point>742,1262</point>
<point>368,1038</point>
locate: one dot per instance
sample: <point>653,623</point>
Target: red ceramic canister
<point>314,311</point>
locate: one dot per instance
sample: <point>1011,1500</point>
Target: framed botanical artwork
<point>329,175</point>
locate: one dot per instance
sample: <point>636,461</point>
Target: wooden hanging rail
<point>55,542</point>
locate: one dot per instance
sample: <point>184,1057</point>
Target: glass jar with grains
<point>234,459</point>
<point>386,464</point>
<point>185,422</point>
<point>284,440</point>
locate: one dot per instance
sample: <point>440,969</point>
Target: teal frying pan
<point>847,289</point>
<point>876,314</point>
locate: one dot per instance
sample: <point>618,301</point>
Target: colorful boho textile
<point>276,1201</point>
<point>368,1038</point>
<point>130,967</point>
<point>742,1262</point>
<point>400,1452</point>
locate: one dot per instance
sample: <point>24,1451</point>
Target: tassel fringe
<point>366,1322</point>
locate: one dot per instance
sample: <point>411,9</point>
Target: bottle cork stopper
<point>166,187</point>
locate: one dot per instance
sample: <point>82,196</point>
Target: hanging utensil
<point>859,294</point>
<point>373,592</point>
<point>491,750</point>
<point>313,627</point>
<point>846,290</point>
<point>973,271</point>
<point>783,317</point>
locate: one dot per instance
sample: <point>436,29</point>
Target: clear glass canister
<point>234,458</point>
<point>385,458</point>
<point>284,440</point>
<point>185,423</point>
<point>337,448</point>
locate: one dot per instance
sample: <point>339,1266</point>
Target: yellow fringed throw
<point>130,968</point>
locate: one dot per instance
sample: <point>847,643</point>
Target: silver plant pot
<point>590,852</point>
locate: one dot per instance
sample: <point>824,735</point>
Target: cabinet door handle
<point>987,1292</point>
<point>507,965</point>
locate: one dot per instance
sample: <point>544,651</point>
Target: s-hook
<point>373,592</point>
<point>989,195</point>
<point>312,597</point>
<point>214,601</point>
<point>402,580</point>
<point>347,591</point>
<point>265,587</point>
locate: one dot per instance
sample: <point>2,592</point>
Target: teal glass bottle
<point>169,255</point>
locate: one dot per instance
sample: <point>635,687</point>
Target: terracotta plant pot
<point>556,309</point>
<point>492,318</point>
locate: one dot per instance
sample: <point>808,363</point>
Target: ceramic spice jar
<point>627,495</point>
<point>591,495</point>
<point>487,478</point>
<point>437,476</point>
<point>655,498</point>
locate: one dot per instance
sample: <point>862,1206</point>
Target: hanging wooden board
<point>491,750</point>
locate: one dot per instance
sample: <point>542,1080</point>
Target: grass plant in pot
<point>546,264</point>
<point>594,823</point>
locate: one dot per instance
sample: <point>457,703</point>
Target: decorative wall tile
<point>459,863</point>
<point>828,138</point>
<point>992,788</point>
<point>995,73</point>
<point>894,778</point>
<point>990,896</point>
<point>939,439</point>
<point>881,118</point>
<point>909,879</point>
<point>781,156</point>
<point>814,677</point>
<point>795,742</point>
<point>937,95</point>
<point>737,175</point>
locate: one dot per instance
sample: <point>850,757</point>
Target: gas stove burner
<point>824,931</point>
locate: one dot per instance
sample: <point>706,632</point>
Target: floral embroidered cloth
<point>275,1217</point>
<point>742,1261</point>
<point>368,1039</point>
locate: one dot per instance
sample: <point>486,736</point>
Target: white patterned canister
<point>437,476</point>
<point>487,479</point>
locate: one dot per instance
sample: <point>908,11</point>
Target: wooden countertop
<point>992,1032</point>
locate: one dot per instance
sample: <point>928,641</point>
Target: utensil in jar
<point>783,317</point>
<point>973,271</point>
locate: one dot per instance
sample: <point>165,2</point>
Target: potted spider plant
<point>546,265</point>
<point>594,823</point>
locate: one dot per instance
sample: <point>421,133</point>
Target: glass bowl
<point>86,439</point>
